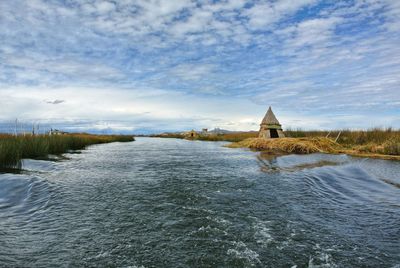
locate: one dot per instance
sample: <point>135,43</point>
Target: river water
<point>177,203</point>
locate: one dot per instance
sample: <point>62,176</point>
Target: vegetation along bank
<point>14,148</point>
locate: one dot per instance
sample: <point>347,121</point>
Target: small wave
<point>321,259</point>
<point>206,231</point>
<point>38,165</point>
<point>241,251</point>
<point>262,232</point>
<point>292,163</point>
<point>219,220</point>
<point>386,171</point>
<point>350,183</point>
<point>22,195</point>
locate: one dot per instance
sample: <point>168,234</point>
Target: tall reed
<point>15,148</point>
<point>350,137</point>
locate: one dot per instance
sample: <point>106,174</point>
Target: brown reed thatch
<point>270,126</point>
<point>269,118</point>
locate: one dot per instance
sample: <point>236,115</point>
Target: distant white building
<point>56,132</point>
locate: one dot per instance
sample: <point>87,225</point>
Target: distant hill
<point>219,131</point>
<point>224,131</point>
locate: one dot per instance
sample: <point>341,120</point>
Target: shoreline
<point>338,148</point>
<point>15,148</point>
<point>304,146</point>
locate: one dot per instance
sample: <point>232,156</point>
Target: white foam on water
<point>219,220</point>
<point>208,230</point>
<point>262,233</point>
<point>322,259</point>
<point>241,251</point>
<point>199,209</point>
<point>102,255</point>
<point>289,240</point>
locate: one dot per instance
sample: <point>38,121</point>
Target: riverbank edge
<point>15,148</point>
<point>304,146</point>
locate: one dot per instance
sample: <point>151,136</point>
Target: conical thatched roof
<point>269,118</point>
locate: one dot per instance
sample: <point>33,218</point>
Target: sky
<point>143,66</point>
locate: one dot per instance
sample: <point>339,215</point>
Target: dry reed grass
<point>289,145</point>
<point>15,148</point>
<point>356,142</point>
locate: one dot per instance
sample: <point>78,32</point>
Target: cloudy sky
<point>155,65</point>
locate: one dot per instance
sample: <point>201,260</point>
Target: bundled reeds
<point>289,145</point>
<point>350,137</point>
<point>232,137</point>
<point>372,141</point>
<point>15,148</point>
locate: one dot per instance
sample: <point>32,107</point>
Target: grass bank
<point>388,149</point>
<point>15,148</point>
<point>289,145</point>
<point>359,142</point>
<point>376,142</point>
<point>232,137</point>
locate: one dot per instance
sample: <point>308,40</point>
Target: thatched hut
<point>191,134</point>
<point>270,127</point>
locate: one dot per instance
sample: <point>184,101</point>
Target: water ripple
<point>176,203</point>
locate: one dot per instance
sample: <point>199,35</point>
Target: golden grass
<point>15,148</point>
<point>289,145</point>
<point>316,145</point>
<point>382,143</point>
<point>374,136</point>
<point>233,137</point>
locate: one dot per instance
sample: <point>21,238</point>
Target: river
<point>176,203</point>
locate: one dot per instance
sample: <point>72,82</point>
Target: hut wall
<point>280,133</point>
<point>264,133</point>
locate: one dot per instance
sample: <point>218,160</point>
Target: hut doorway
<point>274,133</point>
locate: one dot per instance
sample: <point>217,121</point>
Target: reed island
<point>271,138</point>
<point>14,148</point>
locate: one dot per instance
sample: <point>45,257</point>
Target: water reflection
<point>289,163</point>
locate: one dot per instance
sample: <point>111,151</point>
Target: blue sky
<point>139,66</point>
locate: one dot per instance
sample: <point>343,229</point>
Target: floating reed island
<point>389,149</point>
<point>15,148</point>
<point>272,139</point>
<point>289,145</point>
<point>375,143</point>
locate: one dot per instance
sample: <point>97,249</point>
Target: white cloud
<point>128,107</point>
<point>103,7</point>
<point>263,15</point>
<point>314,31</point>
<point>189,71</point>
<point>297,55</point>
<point>393,15</point>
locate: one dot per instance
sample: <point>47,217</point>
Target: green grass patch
<point>15,148</point>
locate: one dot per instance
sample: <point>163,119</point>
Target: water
<point>177,203</point>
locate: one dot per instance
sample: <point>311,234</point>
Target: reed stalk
<point>15,148</point>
